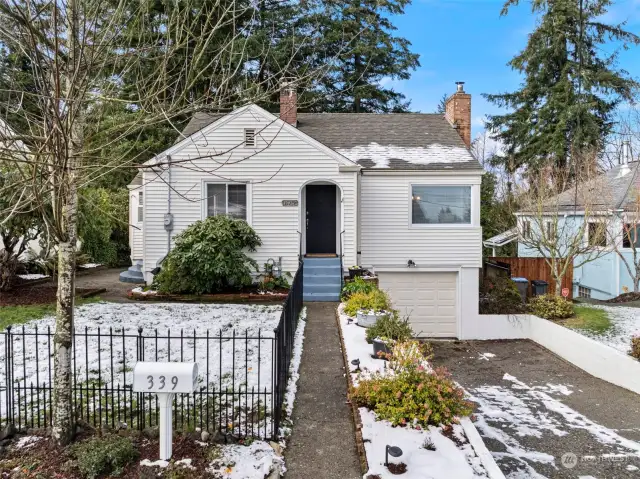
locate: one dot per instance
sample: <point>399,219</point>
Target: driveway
<point>541,416</point>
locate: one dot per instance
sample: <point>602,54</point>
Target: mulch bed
<point>251,296</point>
<point>624,298</point>
<point>26,295</point>
<point>44,459</point>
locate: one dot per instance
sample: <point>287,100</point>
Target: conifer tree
<point>571,85</point>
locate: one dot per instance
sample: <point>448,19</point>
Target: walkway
<point>322,444</point>
<point>541,416</point>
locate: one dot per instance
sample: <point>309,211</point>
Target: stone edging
<point>357,422</point>
<point>480,449</point>
<point>210,298</point>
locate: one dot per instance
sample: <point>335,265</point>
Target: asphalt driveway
<point>541,416</point>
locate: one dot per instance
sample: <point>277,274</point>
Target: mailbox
<point>165,377</point>
<point>165,380</point>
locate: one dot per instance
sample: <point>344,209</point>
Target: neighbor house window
<point>140,207</point>
<point>631,236</point>
<point>440,205</point>
<point>526,229</point>
<point>227,199</point>
<point>584,292</point>
<point>551,230</point>
<point>597,235</point>
<point>250,137</point>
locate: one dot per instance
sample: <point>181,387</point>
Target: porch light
<point>393,451</point>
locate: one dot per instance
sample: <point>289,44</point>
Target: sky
<point>468,40</point>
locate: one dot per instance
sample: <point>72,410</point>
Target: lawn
<point>592,320</point>
<point>14,315</point>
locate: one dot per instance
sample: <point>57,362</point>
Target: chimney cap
<point>460,86</point>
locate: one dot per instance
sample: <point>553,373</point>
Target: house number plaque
<point>289,202</point>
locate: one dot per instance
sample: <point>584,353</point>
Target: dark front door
<point>321,219</point>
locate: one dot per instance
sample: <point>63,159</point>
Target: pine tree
<point>442,105</point>
<point>371,56</point>
<point>571,86</point>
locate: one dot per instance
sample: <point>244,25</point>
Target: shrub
<point>413,397</point>
<point>635,347</point>
<point>208,257</point>
<point>271,283</point>
<point>390,326</point>
<point>500,295</point>
<point>551,307</point>
<point>409,354</point>
<point>358,285</point>
<point>376,300</point>
<point>104,455</point>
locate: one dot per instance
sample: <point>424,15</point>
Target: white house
<point>379,190</point>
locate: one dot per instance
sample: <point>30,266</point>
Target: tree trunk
<point>636,284</point>
<point>558,286</point>
<point>8,266</point>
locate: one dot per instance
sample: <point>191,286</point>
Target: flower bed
<point>427,451</point>
<point>239,297</point>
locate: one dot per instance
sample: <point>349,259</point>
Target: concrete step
<point>322,271</point>
<point>321,297</point>
<point>322,279</point>
<point>321,261</point>
<point>134,277</point>
<point>322,288</point>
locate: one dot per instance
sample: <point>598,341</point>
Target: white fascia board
<point>342,160</point>
<point>416,172</point>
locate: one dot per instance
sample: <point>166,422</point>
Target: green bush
<point>106,455</point>
<point>413,396</point>
<point>635,347</point>
<point>500,296</point>
<point>390,326</point>
<point>358,285</point>
<point>103,225</point>
<point>551,307</point>
<point>209,256</point>
<point>376,300</point>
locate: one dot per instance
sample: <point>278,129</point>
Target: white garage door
<point>429,299</point>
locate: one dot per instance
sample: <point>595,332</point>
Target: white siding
<point>387,237</point>
<point>276,170</point>
<point>135,228</point>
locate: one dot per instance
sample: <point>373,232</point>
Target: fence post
<point>140,396</point>
<point>8,366</point>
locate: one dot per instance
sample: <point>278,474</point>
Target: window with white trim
<point>440,205</point>
<point>631,236</point>
<point>550,229</point>
<point>140,206</point>
<point>227,199</point>
<point>584,292</point>
<point>250,137</point>
<point>526,229</point>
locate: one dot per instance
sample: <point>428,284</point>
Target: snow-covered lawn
<point>625,324</point>
<point>448,460</point>
<point>232,344</point>
<point>32,276</point>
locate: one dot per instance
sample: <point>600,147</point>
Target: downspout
<point>358,219</point>
<point>168,217</point>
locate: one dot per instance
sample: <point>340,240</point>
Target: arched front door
<point>321,203</point>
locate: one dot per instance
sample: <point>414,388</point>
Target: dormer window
<point>250,137</point>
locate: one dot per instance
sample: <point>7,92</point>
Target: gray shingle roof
<point>402,141</point>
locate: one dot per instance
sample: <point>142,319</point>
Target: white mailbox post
<point>165,380</point>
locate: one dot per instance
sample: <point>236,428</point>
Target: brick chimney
<point>458,112</point>
<point>289,103</point>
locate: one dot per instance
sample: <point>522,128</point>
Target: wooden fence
<point>536,268</point>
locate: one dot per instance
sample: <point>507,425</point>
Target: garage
<point>428,298</point>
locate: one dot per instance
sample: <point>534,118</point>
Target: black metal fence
<point>241,385</point>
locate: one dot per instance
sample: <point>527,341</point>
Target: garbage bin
<point>523,286</point>
<point>539,287</point>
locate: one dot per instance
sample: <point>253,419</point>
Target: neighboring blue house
<point>606,276</point>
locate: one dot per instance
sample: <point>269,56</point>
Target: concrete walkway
<point>543,417</point>
<point>322,444</point>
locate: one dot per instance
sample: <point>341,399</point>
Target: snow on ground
<point>33,276</point>
<point>89,265</point>
<point>294,368</point>
<point>508,414</point>
<point>185,332</point>
<point>447,461</point>
<point>625,324</point>
<point>255,461</point>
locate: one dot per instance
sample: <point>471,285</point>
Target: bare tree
<point>570,228</point>
<point>86,60</point>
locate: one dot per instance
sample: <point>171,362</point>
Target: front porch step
<point>324,297</point>
<point>322,279</point>
<point>133,275</point>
